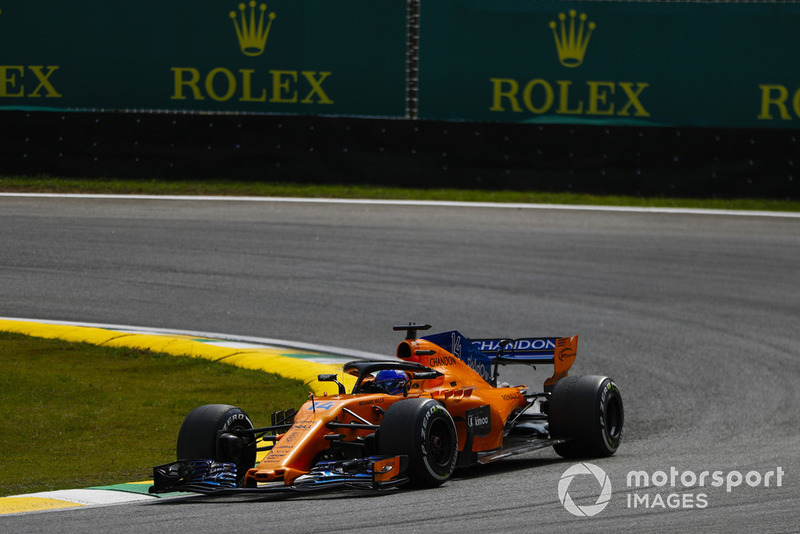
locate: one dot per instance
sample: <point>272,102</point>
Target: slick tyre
<point>586,410</point>
<point>199,437</point>
<point>423,430</point>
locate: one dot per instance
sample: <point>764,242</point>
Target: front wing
<point>216,478</point>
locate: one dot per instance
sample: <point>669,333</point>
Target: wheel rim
<point>248,454</point>
<point>440,443</point>
<point>613,418</point>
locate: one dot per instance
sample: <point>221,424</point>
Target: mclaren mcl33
<point>413,421</point>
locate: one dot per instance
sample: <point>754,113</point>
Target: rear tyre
<point>586,410</point>
<point>423,430</point>
<point>199,437</point>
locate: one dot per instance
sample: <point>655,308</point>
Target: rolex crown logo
<point>571,38</point>
<point>252,33</point>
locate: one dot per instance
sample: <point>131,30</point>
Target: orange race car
<point>414,420</point>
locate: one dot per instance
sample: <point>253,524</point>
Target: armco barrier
<point>656,98</point>
<point>550,157</point>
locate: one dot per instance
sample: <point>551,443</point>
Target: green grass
<point>253,188</point>
<point>75,415</point>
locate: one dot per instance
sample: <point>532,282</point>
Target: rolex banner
<point>310,57</point>
<point>643,63</point>
<point>729,64</point>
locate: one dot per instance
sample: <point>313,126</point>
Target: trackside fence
<point>627,97</point>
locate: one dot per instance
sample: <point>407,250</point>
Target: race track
<point>695,316</point>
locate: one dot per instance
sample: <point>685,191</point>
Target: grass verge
<point>277,189</point>
<point>76,415</point>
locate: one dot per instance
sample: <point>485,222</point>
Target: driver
<point>391,381</point>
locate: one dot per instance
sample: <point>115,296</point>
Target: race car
<point>412,421</point>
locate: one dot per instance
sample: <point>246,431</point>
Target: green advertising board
<point>729,64</point>
<point>645,63</point>
<point>310,57</point>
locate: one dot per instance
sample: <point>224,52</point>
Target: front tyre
<point>199,437</point>
<point>423,430</point>
<point>586,410</point>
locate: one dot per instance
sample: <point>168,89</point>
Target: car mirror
<point>332,378</point>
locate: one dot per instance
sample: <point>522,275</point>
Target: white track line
<point>421,203</point>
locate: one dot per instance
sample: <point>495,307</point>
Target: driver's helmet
<point>391,381</point>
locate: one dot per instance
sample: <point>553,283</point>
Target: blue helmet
<point>391,381</point>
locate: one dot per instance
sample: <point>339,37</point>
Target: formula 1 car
<point>410,421</point>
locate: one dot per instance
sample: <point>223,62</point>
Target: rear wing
<point>559,351</point>
<point>482,354</point>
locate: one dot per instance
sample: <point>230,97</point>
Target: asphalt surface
<point>695,316</point>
